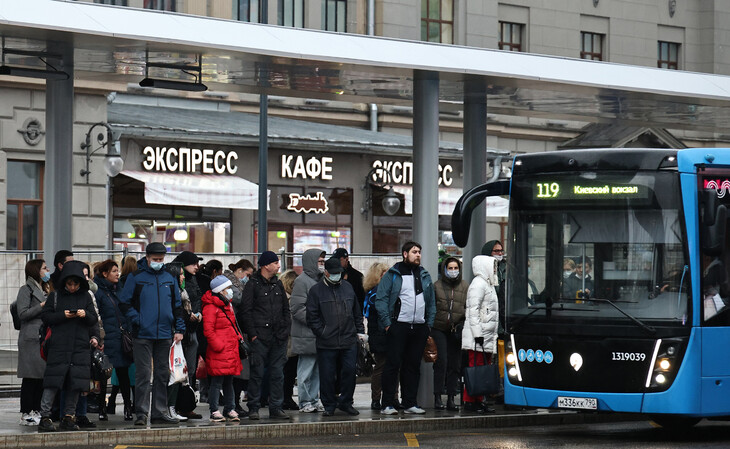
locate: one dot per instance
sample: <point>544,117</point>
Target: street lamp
<point>390,202</point>
<point>113,163</point>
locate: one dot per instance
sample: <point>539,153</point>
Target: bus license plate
<point>581,403</point>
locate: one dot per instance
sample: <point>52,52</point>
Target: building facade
<point>655,33</point>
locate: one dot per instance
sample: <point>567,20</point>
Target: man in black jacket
<point>351,275</point>
<point>266,319</point>
<point>335,317</point>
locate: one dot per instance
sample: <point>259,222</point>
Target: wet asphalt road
<point>638,434</point>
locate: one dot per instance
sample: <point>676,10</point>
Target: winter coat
<point>264,311</point>
<point>112,319</point>
<point>376,336</point>
<point>219,321</point>
<point>303,340</point>
<point>450,300</point>
<point>30,363</point>
<point>334,315</point>
<point>355,278</point>
<point>68,350</point>
<point>482,313</point>
<point>157,313</point>
<point>389,289</point>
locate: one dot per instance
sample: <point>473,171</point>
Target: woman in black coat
<point>70,313</point>
<point>107,278</point>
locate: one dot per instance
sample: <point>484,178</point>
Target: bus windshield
<point>597,248</point>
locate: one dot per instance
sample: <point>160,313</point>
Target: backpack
<point>14,310</point>
<point>369,302</point>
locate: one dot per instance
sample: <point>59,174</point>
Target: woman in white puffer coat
<point>479,337</point>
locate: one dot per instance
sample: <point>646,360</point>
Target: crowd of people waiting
<point>255,332</point>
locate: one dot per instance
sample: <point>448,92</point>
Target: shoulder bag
<point>482,380</point>
<point>127,343</point>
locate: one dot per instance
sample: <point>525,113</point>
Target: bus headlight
<point>660,378</point>
<point>511,359</point>
<point>665,363</point>
<point>512,364</point>
<point>512,372</point>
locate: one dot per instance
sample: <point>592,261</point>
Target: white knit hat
<point>220,283</point>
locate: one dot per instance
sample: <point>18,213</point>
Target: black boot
<point>437,404</point>
<point>128,412</point>
<point>450,404</point>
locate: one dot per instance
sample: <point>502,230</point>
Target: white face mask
<point>320,268</point>
<point>567,273</point>
<point>335,278</point>
<point>227,293</point>
<point>453,274</point>
<point>499,257</point>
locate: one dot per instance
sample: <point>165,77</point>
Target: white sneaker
<point>27,419</point>
<point>36,416</point>
<point>415,410</point>
<point>175,414</point>
<point>319,407</point>
<point>389,411</point>
<point>307,408</point>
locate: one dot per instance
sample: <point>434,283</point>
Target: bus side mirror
<point>713,235</point>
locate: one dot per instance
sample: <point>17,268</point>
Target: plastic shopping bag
<point>178,365</point>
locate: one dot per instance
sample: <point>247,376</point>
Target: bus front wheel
<point>675,422</point>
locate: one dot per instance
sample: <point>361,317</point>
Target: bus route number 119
<point>548,190</point>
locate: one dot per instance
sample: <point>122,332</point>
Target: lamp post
<point>113,165</point>
<point>391,202</point>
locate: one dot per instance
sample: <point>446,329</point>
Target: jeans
<point>405,351</point>
<point>446,369</point>
<point>145,353</point>
<point>49,394</point>
<point>218,383</point>
<point>308,380</point>
<point>328,360</point>
<point>269,356</point>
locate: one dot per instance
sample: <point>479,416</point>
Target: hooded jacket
<point>334,315</point>
<point>482,317</point>
<point>68,350</point>
<point>389,289</point>
<point>450,300</point>
<point>303,341</point>
<point>219,321</point>
<point>156,314</point>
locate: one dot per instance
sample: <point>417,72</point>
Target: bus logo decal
<point>548,357</point>
<point>722,187</point>
<point>521,354</point>
<point>576,361</point>
<point>539,356</point>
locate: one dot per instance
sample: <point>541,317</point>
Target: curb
<point>266,431</point>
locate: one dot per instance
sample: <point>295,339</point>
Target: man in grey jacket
<point>303,341</point>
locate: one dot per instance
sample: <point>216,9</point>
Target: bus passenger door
<point>714,289</point>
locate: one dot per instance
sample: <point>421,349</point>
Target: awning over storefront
<point>227,192</point>
<point>496,206</point>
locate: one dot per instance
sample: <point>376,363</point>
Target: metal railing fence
<point>12,278</point>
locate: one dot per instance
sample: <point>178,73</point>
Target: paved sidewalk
<point>117,431</point>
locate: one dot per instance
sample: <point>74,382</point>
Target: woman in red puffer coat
<point>222,358</point>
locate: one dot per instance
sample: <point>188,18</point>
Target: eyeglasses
<point>498,251</point>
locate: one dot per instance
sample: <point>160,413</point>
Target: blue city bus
<point>617,295</point>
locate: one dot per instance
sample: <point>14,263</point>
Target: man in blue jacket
<point>406,305</point>
<point>151,302</point>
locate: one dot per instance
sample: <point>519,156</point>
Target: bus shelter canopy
<point>125,44</point>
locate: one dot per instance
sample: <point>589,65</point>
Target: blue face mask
<point>335,278</point>
<point>46,277</point>
<point>244,280</point>
<point>157,266</point>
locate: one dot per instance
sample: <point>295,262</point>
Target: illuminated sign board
<point>308,204</point>
<point>583,191</point>
<point>397,172</point>
<point>721,186</point>
<point>189,160</point>
<point>313,168</point>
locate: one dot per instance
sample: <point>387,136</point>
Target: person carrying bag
<point>480,335</point>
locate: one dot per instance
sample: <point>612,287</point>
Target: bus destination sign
<point>582,191</point>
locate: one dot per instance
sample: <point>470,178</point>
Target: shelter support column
<point>59,173</point>
<point>425,190</point>
<point>475,163</point>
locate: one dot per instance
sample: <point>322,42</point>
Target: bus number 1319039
<point>628,356</point>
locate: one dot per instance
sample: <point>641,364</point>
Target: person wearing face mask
<point>334,315</point>
<point>450,309</point>
<point>70,314</point>
<point>30,302</point>
<point>303,341</point>
<point>151,302</point>
<point>221,358</point>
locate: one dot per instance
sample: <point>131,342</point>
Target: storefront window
<point>198,237</point>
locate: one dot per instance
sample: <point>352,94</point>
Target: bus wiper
<point>547,307</point>
<point>639,323</point>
